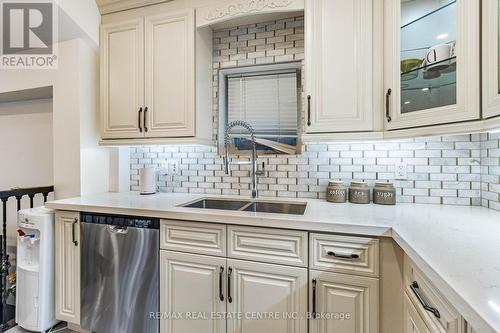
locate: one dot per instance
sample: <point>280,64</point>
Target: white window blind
<point>268,102</point>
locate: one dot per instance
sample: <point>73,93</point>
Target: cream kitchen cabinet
<point>266,289</point>
<point>431,62</point>
<point>344,284</point>
<point>339,66</point>
<point>205,286</point>
<point>491,60</point>
<point>122,79</point>
<point>251,289</point>
<point>425,307</point>
<point>148,74</point>
<point>351,301</point>
<point>192,284</point>
<point>67,266</point>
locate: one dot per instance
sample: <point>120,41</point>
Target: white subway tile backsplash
<point>432,178</point>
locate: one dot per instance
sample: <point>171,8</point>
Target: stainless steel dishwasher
<point>119,274</point>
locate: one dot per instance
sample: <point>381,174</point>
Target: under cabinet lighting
<point>407,102</point>
<point>425,89</point>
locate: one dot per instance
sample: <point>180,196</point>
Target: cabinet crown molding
<point>246,6</point>
<point>112,6</point>
<point>226,10</point>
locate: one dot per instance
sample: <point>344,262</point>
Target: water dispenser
<point>35,269</point>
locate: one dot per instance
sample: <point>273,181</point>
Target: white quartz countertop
<point>458,248</point>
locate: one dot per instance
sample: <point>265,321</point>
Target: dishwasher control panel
<point>120,220</point>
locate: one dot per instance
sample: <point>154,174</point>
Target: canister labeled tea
<point>359,192</point>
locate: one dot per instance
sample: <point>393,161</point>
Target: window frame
<point>248,71</point>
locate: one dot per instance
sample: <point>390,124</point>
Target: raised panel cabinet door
<point>192,293</point>
<point>266,298</point>
<point>67,266</point>
<point>170,64</point>
<point>339,65</point>
<point>343,303</point>
<point>122,79</point>
<point>491,60</point>
<point>413,323</point>
<point>431,62</point>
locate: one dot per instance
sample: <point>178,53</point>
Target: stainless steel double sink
<point>276,207</point>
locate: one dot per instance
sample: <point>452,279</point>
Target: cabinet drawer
<point>344,254</point>
<point>446,319</point>
<point>275,246</point>
<point>193,237</point>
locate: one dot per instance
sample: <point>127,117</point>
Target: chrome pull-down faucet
<point>253,163</point>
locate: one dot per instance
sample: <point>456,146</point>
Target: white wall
<point>75,117</point>
<point>26,150</point>
<point>85,14</point>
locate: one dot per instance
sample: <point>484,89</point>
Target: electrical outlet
<point>173,168</point>
<point>163,170</point>
<point>401,171</point>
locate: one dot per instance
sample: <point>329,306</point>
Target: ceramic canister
<point>384,193</point>
<point>336,191</point>
<point>359,192</point>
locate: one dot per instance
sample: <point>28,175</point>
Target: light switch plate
<point>401,171</point>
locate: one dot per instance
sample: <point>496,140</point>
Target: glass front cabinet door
<point>431,62</point>
<point>491,68</point>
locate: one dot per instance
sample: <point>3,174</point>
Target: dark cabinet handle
<point>229,273</point>
<point>75,221</point>
<point>343,256</point>
<point>221,274</point>
<point>145,117</point>
<point>314,286</point>
<point>308,110</point>
<point>414,287</point>
<point>139,120</point>
<point>388,105</point>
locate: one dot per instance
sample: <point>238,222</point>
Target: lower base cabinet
<point>343,303</point>
<point>191,286</point>
<point>270,298</point>
<point>67,266</point>
<point>196,291</point>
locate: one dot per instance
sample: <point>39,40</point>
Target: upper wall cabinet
<point>431,62</point>
<point>339,65</point>
<point>122,79</point>
<point>147,75</point>
<point>491,60</point>
<point>170,74</point>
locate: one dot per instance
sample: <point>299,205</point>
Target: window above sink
<point>268,97</point>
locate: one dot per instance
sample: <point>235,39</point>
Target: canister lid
<point>384,183</point>
<point>335,182</point>
<point>359,183</point>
